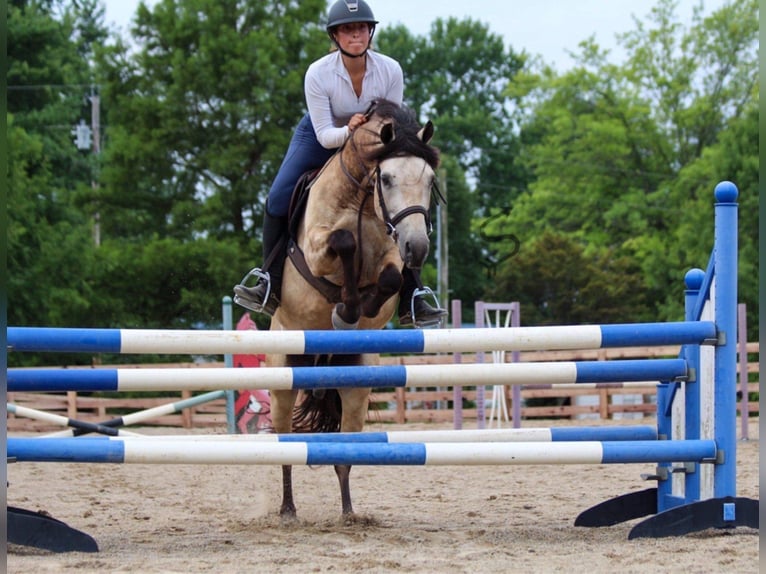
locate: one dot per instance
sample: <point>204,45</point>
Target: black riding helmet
<point>348,12</point>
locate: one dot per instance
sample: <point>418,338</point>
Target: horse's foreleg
<point>287,510</point>
<point>282,403</point>
<point>343,471</point>
<point>389,283</point>
<point>348,311</point>
<point>355,404</point>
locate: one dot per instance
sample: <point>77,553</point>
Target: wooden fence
<point>389,405</point>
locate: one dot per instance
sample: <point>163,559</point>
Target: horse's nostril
<point>415,254</point>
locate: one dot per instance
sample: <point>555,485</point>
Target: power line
<point>47,86</point>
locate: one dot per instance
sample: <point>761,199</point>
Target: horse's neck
<point>340,189</point>
<point>354,166</point>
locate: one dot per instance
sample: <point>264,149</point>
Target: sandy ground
<point>183,518</point>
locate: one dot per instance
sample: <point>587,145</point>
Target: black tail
<point>316,414</point>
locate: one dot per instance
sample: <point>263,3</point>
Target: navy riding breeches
<point>305,153</point>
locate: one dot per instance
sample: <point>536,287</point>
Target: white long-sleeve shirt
<point>331,99</point>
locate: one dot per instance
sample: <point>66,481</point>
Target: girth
<point>329,290</point>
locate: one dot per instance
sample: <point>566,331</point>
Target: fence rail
<point>400,405</point>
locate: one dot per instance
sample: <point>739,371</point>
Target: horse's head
<point>404,178</point>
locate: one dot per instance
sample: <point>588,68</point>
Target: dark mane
<point>406,128</point>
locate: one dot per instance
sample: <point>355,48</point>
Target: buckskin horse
<point>365,217</point>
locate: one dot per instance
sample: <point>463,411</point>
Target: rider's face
<point>354,37</point>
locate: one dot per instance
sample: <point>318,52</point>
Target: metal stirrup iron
<point>425,323</point>
<point>250,303</point>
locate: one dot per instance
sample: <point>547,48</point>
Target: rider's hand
<point>356,121</point>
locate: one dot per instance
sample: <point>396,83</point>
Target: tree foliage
<point>455,76</point>
<point>49,240</point>
<point>201,115</point>
<point>622,156</point>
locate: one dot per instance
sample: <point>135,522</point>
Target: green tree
<point>456,76</point>
<point>614,143</point>
<point>199,118</point>
<point>557,283</point>
<point>50,248</point>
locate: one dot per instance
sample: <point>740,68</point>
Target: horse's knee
<point>390,280</point>
<point>388,285</point>
<point>345,317</point>
<point>342,242</point>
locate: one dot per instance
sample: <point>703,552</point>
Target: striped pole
<point>152,413</point>
<point>77,425</point>
<point>364,341</point>
<point>552,434</point>
<point>149,451</point>
<point>595,386</point>
<point>290,378</point>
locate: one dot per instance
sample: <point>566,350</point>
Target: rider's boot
<point>264,296</point>
<point>413,308</point>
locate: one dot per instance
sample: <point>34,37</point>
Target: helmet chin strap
<point>349,55</point>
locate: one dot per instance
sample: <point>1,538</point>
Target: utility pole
<point>89,138</point>
<point>95,120</point>
<point>442,250</point>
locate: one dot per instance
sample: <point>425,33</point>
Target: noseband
<point>372,183</point>
<point>392,222</point>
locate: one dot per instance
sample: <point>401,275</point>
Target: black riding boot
<point>270,277</point>
<point>414,304</point>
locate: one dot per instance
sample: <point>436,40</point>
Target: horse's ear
<point>427,132</point>
<point>387,133</point>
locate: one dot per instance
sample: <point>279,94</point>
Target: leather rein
<point>370,185</point>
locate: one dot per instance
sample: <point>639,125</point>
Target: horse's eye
<point>387,180</point>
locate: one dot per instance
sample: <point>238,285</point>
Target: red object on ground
<point>252,408</point>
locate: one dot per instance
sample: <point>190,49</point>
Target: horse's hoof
<point>339,324</point>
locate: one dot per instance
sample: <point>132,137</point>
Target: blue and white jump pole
<point>147,341</point>
<point>151,451</point>
<point>291,378</point>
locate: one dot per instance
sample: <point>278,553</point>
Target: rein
<point>370,185</point>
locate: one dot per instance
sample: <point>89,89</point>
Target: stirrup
<point>426,322</point>
<point>243,300</point>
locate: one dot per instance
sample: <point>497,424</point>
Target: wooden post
<point>603,403</point>
<point>186,414</point>
<point>71,404</point>
<point>401,406</point>
<point>443,244</point>
<point>744,406</point>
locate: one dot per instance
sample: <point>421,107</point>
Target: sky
<point>549,28</point>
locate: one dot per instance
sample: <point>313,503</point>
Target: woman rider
<point>339,88</point>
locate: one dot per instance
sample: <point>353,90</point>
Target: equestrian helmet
<point>350,11</point>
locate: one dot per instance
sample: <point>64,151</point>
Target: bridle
<point>371,185</point>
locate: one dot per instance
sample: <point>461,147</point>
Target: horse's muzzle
<point>415,253</point>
